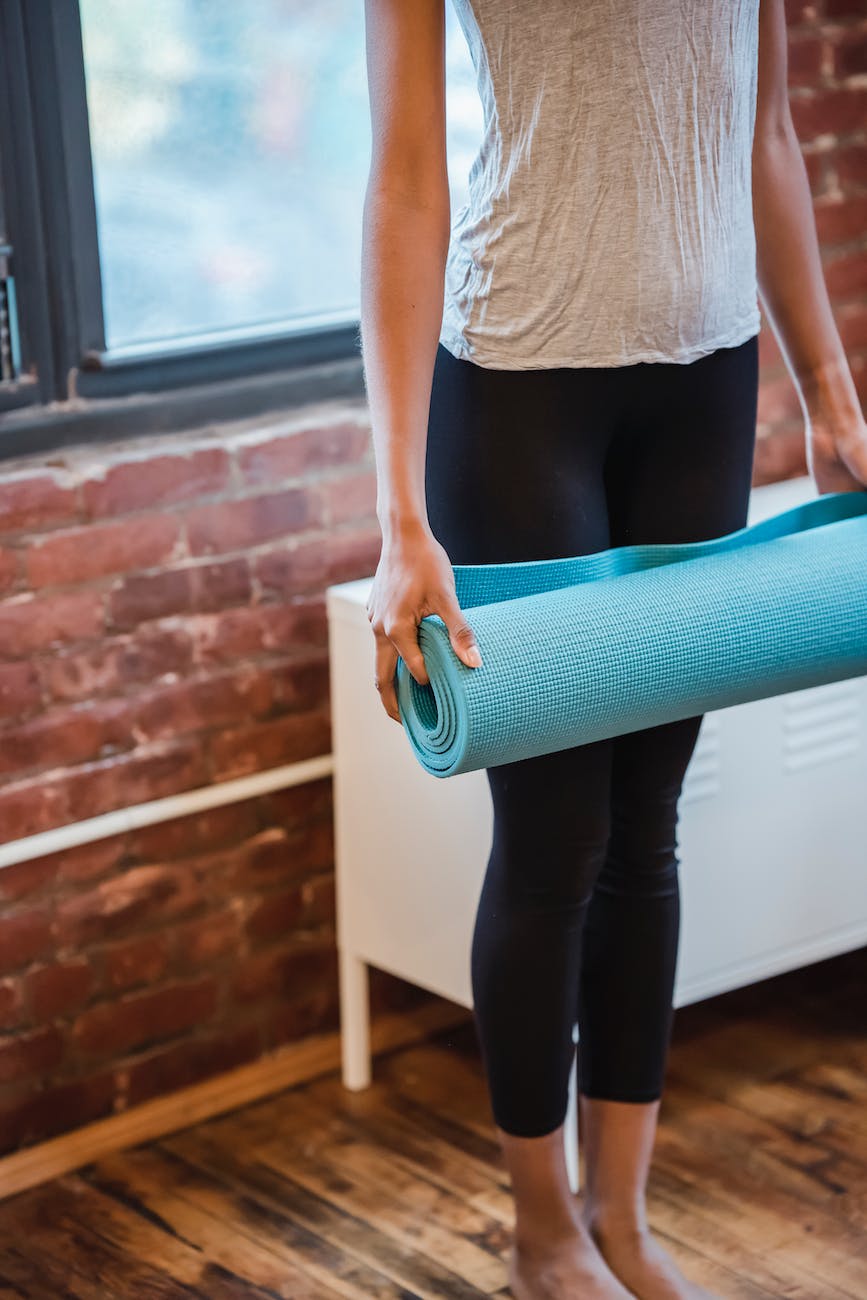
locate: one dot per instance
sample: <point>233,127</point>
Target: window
<point>184,182</point>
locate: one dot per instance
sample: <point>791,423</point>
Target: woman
<point>574,366</point>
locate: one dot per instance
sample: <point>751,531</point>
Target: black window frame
<point>72,388</point>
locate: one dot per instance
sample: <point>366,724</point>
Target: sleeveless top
<point>609,217</point>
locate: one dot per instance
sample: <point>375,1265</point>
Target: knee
<point>554,869</point>
<point>642,854</point>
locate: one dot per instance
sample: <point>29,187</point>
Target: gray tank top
<point>609,217</point>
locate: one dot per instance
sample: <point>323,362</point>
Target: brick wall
<point>162,627</point>
<point>828,95</point>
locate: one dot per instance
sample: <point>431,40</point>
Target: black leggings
<point>579,912</point>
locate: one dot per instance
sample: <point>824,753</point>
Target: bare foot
<point>635,1256</point>
<point>562,1269</point>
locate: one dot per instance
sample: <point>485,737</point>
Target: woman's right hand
<point>414,577</point>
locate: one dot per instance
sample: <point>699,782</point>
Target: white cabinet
<point>772,836</point>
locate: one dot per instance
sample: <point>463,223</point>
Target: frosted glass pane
<point>231,147</point>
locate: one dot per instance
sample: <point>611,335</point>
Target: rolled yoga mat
<point>582,648</point>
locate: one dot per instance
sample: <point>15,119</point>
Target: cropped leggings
<point>579,912</point>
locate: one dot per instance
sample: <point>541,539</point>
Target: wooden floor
<point>759,1183</point>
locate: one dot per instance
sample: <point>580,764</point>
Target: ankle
<point>534,1236</point>
<point>610,1219</point>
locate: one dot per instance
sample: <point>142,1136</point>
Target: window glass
<point>231,147</point>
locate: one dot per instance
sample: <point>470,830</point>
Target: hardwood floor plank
<point>80,1257</point>
<point>362,1179</point>
<point>758,1184</point>
<point>228,1230</point>
<point>332,1223</point>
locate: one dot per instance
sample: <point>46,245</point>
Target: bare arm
<point>405,237</point>
<point>791,280</point>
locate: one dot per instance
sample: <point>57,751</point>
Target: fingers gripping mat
<point>591,646</point>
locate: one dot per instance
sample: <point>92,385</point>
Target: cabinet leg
<point>354,1020</point>
<point>570,1128</point>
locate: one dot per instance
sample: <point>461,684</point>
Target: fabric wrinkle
<point>609,217</point>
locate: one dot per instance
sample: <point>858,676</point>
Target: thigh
<point>513,471</point>
<point>513,462</point>
<point>678,470</point>
<point>551,826</point>
<point>679,467</point>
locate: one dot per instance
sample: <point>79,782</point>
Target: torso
<point>610,211</point>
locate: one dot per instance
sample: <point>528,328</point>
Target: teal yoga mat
<point>591,646</point>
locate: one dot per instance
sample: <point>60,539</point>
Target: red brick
<point>297,807</point>
<point>818,170</point>
<point>770,357</point>
<point>846,275</point>
<point>317,1012</point>
<point>168,1068</point>
<point>224,700</point>
<point>24,879</point>
<point>301,683</point>
<point>208,938</point>
<point>187,590</point>
<point>28,1055</point>
<point>221,584</point>
<point>24,936</point>
<point>147,596</point>
<point>290,972</point>
<point>29,623</point>
<point>79,554</point>
<point>243,750</point>
<point>11,1003</point>
<point>840,220</point>
<point>268,859</point>
<point>65,736</point>
<point>851,166</point>
<point>116,663</point>
<point>312,565</point>
<point>85,862</point>
<point>142,1018</point>
<point>149,480</point>
<point>59,988</point>
<point>55,1109</point>
<point>778,400</point>
<point>779,456</point>
<point>20,691</point>
<point>851,321</point>
<point>850,53</point>
<point>349,497</point>
<point>142,960</point>
<point>798,11</point>
<point>270,457</point>
<point>213,828</point>
<point>275,857</point>
<point>27,807</point>
<point>837,111</point>
<point>247,521</point>
<point>804,59</point>
<point>248,632</point>
<point>839,8</point>
<point>142,895</point>
<point>228,635</point>
<point>319,899</point>
<point>32,501</point>
<point>276,915</point>
<point>156,770</point>
<point>9,569</point>
<point>303,624</point>
<point>353,555</point>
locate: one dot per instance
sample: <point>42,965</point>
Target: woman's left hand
<point>837,451</point>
